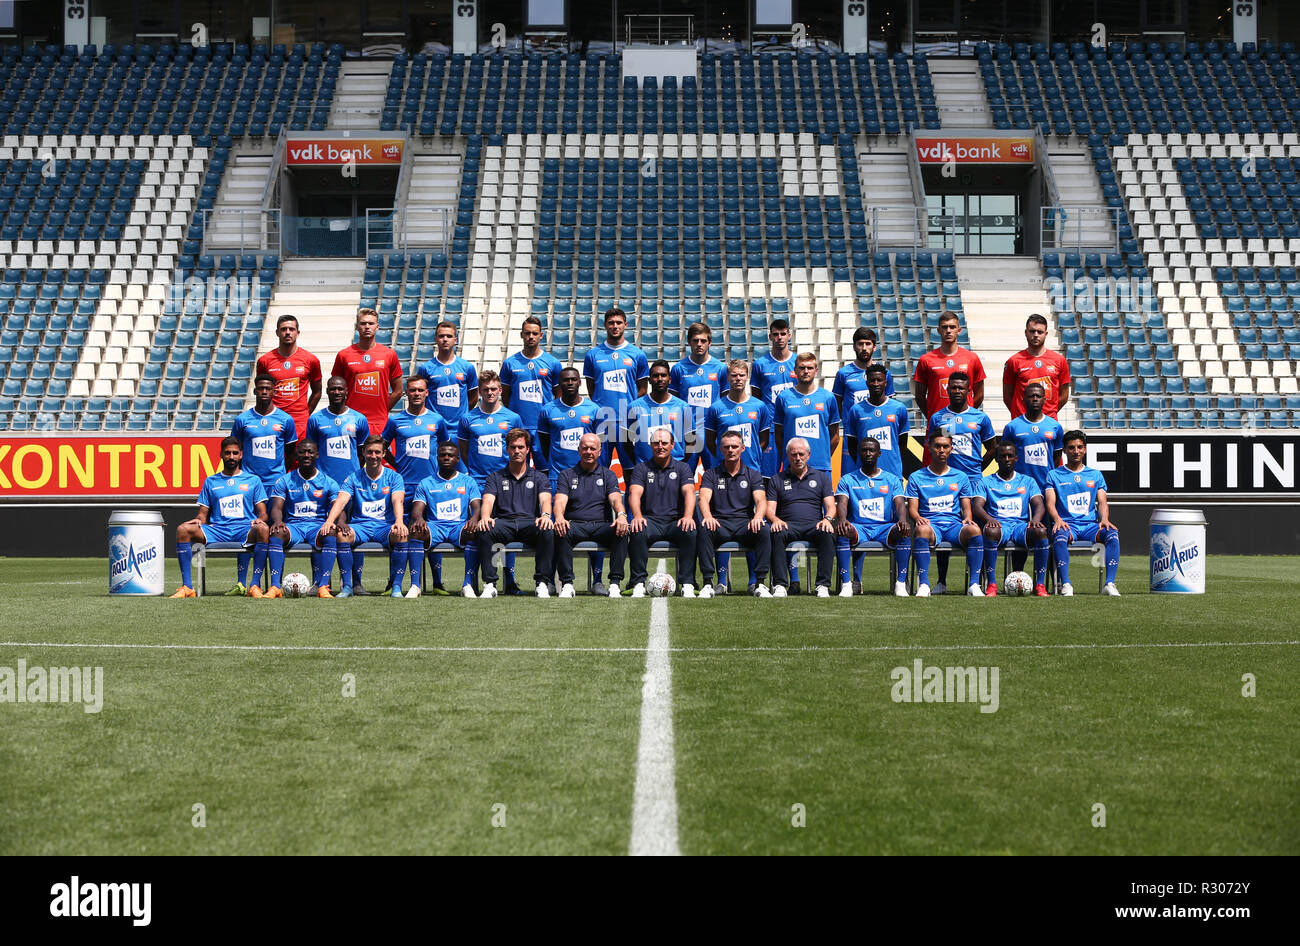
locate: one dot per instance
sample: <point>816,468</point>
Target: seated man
<point>374,500</point>
<point>801,507</point>
<point>733,506</point>
<point>232,508</point>
<point>306,496</point>
<point>1074,494</point>
<point>587,500</point>
<point>661,494</point>
<point>517,508</point>
<point>938,502</point>
<point>1010,507</point>
<point>454,500</point>
<point>872,507</point>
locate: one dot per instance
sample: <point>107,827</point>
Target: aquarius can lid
<point>1177,517</point>
<point>135,517</point>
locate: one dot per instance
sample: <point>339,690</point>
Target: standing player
<point>517,508</point>
<point>453,381</point>
<point>935,367</point>
<point>232,508</point>
<point>871,505</point>
<point>300,503</point>
<point>1036,364</point>
<point>733,508</point>
<point>697,379</point>
<point>374,497</point>
<point>655,411</point>
<point>1009,505</point>
<point>772,374</point>
<point>450,500</point>
<point>809,411</point>
<point>265,433</point>
<point>883,419</point>
<point>850,384</point>
<point>661,495</point>
<point>413,437</point>
<point>587,501</point>
<point>372,371</point>
<point>339,432</point>
<point>614,369</point>
<point>1076,500</point>
<point>296,372</point>
<point>482,439</point>
<point>563,422</point>
<point>529,380</point>
<point>749,417</point>
<point>938,503</point>
<point>801,507</point>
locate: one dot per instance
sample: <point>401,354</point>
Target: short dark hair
<point>1034,384</point>
<point>778,324</point>
<point>413,378</point>
<point>517,433</point>
<point>699,328</point>
<point>614,311</point>
<point>286,318</point>
<point>533,320</point>
<point>1036,319</point>
<point>937,433</point>
<point>1074,435</point>
<point>950,317</point>
<point>264,377</point>
<point>227,441</point>
<point>732,433</point>
<point>959,376</point>
<point>865,333</point>
<point>660,363</point>
<point>876,369</point>
<point>372,439</point>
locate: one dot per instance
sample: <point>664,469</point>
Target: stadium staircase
<point>962,103</point>
<point>236,213</point>
<point>324,295</point>
<point>358,103</point>
<point>1078,186</point>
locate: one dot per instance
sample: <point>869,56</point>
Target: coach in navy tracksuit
<point>587,497</point>
<point>801,507</point>
<point>517,508</point>
<point>661,494</point>
<point>733,506</point>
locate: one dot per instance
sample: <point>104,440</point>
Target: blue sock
<point>859,558</point>
<point>842,557</point>
<point>315,567</point>
<point>902,552</point>
<point>510,568</point>
<point>471,565</point>
<point>990,561</point>
<point>1111,538</point>
<point>724,567</point>
<point>1041,550</point>
<point>327,556</point>
<point>921,552</point>
<point>397,562</point>
<point>185,555</point>
<point>751,561</point>
<point>244,558</point>
<point>435,564</point>
<point>794,569</point>
<point>358,565</point>
<point>345,564</point>
<point>259,562</point>
<point>415,563</point>
<point>597,560</point>
<point>276,554</point>
<point>1061,545</point>
<point>975,558</point>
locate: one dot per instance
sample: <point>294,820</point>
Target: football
<point>295,585</point>
<point>1018,584</point>
<point>661,585</point>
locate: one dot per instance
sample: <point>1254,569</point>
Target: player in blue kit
<point>615,369</point>
<point>871,506</point>
<point>453,381</point>
<point>1009,506</point>
<point>413,437</point>
<point>698,379</point>
<point>1038,438</point>
<point>530,379</point>
<point>482,438</point>
<point>656,410</point>
<point>300,504</point>
<point>374,499</point>
<point>750,417</point>
<point>850,384</point>
<point>1076,500</point>
<point>339,432</point>
<point>444,508</point>
<point>772,374</point>
<point>938,503</point>
<point>232,508</point>
<point>563,422</point>
<point>808,411</point>
<point>265,432</point>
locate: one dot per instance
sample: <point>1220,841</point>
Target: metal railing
<point>1053,195</point>
<point>1078,228</point>
<point>250,230</point>
<point>388,228</point>
<point>669,29</point>
<point>904,226</point>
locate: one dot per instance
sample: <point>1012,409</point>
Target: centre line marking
<point>654,807</point>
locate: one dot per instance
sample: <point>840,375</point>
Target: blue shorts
<point>947,531</point>
<point>371,530</point>
<point>1014,531</point>
<point>303,532</point>
<point>874,532</point>
<point>449,532</point>
<point>228,532</point>
<point>1085,531</point>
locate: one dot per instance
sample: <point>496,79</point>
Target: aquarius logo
<point>132,562</point>
<point>1173,558</point>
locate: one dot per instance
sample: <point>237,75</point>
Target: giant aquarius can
<point>135,552</point>
<point>1178,551</point>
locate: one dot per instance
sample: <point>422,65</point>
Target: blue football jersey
<point>447,500</point>
<point>747,418</point>
<point>616,372</point>
<point>373,499</point>
<point>264,437</point>
<point>771,377</point>
<point>810,416</point>
<point>1008,500</point>
<point>232,500</point>
<point>564,426</point>
<point>1036,444</point>
<point>1076,493</point>
<point>886,423</point>
<point>699,386</point>
<point>871,498</point>
<point>339,437</point>
<point>646,416</point>
<point>485,440</point>
<point>531,381</point>
<point>306,500</point>
<point>939,496</point>
<point>969,430</point>
<point>449,387</point>
<point>414,440</point>
<point>850,386</point>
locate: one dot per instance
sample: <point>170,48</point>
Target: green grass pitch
<point>512,726</point>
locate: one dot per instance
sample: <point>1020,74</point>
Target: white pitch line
<point>811,649</point>
<point>654,807</point>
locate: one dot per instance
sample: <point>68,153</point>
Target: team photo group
<point>715,459</point>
